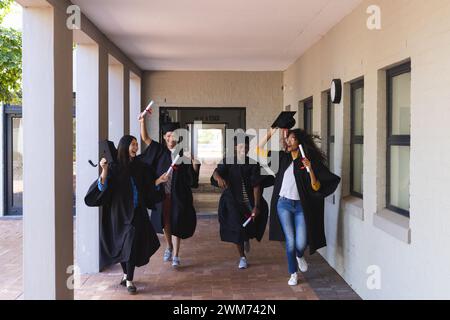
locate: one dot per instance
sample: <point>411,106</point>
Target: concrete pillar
<point>92,126</point>
<point>47,121</point>
<point>135,105</point>
<point>116,105</point>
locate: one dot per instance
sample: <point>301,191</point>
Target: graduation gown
<point>232,213</point>
<point>126,233</point>
<point>183,217</point>
<point>312,201</point>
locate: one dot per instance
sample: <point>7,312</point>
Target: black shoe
<point>132,289</point>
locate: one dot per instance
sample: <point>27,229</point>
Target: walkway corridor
<point>208,271</point>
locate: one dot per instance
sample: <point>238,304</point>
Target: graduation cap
<point>107,151</point>
<point>285,120</point>
<point>169,127</point>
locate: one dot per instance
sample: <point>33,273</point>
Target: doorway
<point>207,142</point>
<point>14,160</point>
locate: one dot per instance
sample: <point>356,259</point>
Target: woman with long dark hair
<point>125,189</point>
<point>297,206</point>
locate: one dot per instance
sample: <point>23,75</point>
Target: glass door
<point>207,144</point>
<point>14,163</point>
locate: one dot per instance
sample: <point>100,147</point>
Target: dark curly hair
<point>312,151</point>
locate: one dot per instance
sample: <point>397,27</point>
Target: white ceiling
<point>257,35</point>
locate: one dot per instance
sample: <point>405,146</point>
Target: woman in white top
<point>297,207</point>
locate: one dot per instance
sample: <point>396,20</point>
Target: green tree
<point>5,7</point>
<point>10,59</point>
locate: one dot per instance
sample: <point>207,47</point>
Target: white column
<point>47,120</point>
<point>92,120</point>
<point>116,119</point>
<point>135,105</point>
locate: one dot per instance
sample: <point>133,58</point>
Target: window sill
<point>394,224</point>
<point>354,206</point>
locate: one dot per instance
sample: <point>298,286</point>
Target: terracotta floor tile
<point>208,272</point>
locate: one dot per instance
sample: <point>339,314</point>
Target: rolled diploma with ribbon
<point>146,110</point>
<point>247,222</point>
<point>303,155</point>
<point>174,162</point>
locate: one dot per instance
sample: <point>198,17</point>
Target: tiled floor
<point>208,271</point>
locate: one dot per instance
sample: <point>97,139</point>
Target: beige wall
<point>411,29</point>
<point>259,92</point>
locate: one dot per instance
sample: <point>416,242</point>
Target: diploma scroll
<point>174,162</point>
<point>247,222</point>
<point>146,110</point>
<point>303,155</point>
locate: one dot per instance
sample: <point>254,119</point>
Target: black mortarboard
<point>285,120</point>
<point>169,127</point>
<point>108,151</point>
<point>242,137</point>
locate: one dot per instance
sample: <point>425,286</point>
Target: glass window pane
<point>358,112</point>
<point>401,104</point>
<point>358,168</point>
<point>399,193</point>
<point>17,159</point>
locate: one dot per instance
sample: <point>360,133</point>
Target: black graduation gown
<point>184,177</point>
<point>312,201</point>
<point>231,212</point>
<point>126,233</point>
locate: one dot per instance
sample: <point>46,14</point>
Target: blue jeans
<point>292,220</point>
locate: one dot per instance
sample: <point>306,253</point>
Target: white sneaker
<point>247,246</point>
<point>167,255</point>
<point>293,281</point>
<point>175,262</point>
<point>243,263</point>
<point>302,264</point>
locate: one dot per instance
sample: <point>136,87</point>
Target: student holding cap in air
<point>301,184</point>
<point>125,189</point>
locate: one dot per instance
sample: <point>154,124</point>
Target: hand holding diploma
<point>163,179</point>
<point>255,213</point>
<point>174,162</point>
<point>305,161</point>
<point>148,109</point>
